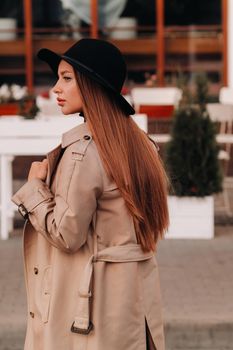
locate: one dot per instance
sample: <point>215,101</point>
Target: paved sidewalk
<point>12,295</point>
<point>197,288</point>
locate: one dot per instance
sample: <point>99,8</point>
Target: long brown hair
<point>130,159</point>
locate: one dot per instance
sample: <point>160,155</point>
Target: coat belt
<point>116,254</point>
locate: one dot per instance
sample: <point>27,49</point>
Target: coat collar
<point>69,137</point>
<point>75,134</point>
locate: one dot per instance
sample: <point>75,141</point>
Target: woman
<point>95,209</point>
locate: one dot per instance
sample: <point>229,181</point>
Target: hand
<point>38,170</point>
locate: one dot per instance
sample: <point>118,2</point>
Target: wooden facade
<point>161,44</point>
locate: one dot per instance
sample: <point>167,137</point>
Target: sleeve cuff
<point>30,195</point>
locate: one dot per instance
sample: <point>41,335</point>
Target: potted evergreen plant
<point>194,169</point>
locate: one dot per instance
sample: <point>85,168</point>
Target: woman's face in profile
<point>66,89</point>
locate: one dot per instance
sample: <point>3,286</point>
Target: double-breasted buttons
<point>36,270</point>
<point>87,137</point>
<point>32,314</point>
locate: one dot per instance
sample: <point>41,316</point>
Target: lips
<point>60,101</point>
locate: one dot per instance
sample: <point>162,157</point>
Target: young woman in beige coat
<point>94,209</point>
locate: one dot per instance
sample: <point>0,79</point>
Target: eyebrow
<point>65,71</point>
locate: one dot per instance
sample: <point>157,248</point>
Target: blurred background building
<point>160,38</point>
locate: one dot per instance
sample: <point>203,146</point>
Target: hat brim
<point>53,60</point>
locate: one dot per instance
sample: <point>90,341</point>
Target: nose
<point>56,89</point>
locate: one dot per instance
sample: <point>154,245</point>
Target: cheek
<point>71,95</point>
<point>75,97</point>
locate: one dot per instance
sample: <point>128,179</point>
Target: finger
<point>44,163</point>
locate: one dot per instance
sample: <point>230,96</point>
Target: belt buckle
<point>80,330</point>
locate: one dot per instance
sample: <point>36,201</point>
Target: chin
<point>69,111</point>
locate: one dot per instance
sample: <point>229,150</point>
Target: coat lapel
<point>52,158</point>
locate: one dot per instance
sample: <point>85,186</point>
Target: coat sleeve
<point>64,218</point>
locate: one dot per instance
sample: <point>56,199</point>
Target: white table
<point>20,137</point>
<point>24,137</point>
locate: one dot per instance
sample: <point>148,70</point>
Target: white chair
<point>156,102</point>
<point>226,98</point>
<point>223,114</point>
<point>226,95</point>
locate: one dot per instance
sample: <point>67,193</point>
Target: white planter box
<point>191,217</point>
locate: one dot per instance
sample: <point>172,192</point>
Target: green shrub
<point>192,154</point>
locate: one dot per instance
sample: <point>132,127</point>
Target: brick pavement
<point>197,288</point>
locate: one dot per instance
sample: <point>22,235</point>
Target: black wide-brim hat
<point>99,60</point>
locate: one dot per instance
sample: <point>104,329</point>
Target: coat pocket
<point>46,292</point>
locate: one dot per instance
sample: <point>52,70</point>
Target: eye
<point>67,78</point>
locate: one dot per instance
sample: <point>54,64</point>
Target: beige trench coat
<point>89,285</point>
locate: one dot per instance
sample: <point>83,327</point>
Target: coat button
<point>32,314</point>
<point>36,270</point>
<point>87,137</point>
